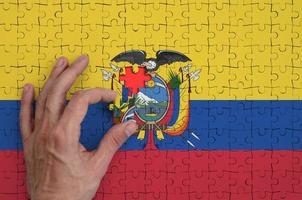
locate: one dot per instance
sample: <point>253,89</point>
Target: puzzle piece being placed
<point>134,81</point>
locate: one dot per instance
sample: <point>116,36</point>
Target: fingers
<point>26,111</point>
<point>59,67</point>
<point>56,96</point>
<point>76,109</point>
<point>112,141</point>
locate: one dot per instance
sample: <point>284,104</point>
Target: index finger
<point>56,96</point>
<point>76,109</point>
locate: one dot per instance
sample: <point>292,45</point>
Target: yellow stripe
<point>247,50</point>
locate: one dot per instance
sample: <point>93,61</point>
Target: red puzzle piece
<point>134,81</point>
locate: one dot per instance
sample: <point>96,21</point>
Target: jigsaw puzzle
<point>215,85</point>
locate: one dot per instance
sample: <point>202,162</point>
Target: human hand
<point>57,165</point>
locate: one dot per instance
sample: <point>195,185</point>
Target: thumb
<point>113,140</point>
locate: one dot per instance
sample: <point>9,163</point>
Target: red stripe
<point>153,174</point>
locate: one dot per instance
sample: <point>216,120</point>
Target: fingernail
<point>26,88</point>
<point>60,62</point>
<point>83,57</point>
<point>114,93</point>
<point>131,127</point>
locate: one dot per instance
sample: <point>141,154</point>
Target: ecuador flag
<point>216,86</point>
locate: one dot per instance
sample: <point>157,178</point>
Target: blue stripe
<point>219,125</point>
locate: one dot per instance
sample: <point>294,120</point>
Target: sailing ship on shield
<point>159,106</point>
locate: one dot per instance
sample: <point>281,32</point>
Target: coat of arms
<point>159,105</point>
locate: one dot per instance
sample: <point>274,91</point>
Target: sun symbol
<point>150,84</point>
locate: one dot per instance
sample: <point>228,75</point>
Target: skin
<point>58,166</point>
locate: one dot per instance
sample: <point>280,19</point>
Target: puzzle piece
<point>134,81</point>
